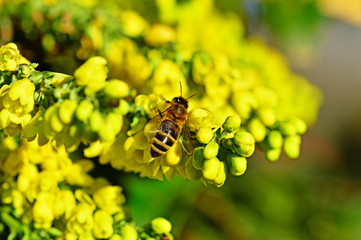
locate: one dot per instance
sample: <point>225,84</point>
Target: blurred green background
<point>318,195</point>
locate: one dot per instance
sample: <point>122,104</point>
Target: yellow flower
<point>103,224</point>
<point>109,199</point>
<point>10,57</point>
<point>133,24</point>
<point>42,210</point>
<point>159,34</point>
<point>81,219</point>
<point>167,79</point>
<point>77,173</point>
<point>14,162</point>
<point>64,204</point>
<point>16,103</point>
<point>26,177</point>
<point>92,74</point>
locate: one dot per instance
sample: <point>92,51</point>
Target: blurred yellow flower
<point>11,57</point>
<point>17,102</point>
<point>109,199</point>
<point>103,224</point>
<point>92,74</point>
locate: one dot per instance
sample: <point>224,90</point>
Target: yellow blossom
<point>42,210</point>
<point>159,34</point>
<point>92,74</point>
<point>10,57</point>
<point>109,199</point>
<point>103,224</point>
<point>16,103</point>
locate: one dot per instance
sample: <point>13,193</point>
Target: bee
<point>172,121</point>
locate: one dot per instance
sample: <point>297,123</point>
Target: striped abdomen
<point>165,137</point>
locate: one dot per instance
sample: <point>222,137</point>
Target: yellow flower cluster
<point>11,58</point>
<point>47,189</point>
<point>76,120</point>
<point>34,176</point>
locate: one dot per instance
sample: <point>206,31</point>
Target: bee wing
<point>186,140</point>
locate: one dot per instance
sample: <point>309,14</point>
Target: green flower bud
<point>287,128</point>
<point>221,174</point>
<point>123,107</point>
<point>129,233</point>
<point>205,135</point>
<point>96,121</point>
<point>55,123</point>
<point>292,146</point>
<point>232,123</point>
<point>237,164</point>
<point>84,110</point>
<point>273,154</point>
<point>244,143</point>
<point>257,129</point>
<point>211,150</point>
<point>66,110</point>
<point>116,89</point>
<point>116,121</point>
<point>116,237</point>
<point>210,168</point>
<point>275,139</point>
<point>161,225</point>
<point>198,158</point>
<point>300,125</point>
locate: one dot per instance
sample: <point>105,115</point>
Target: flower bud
<point>129,233</point>
<point>267,115</point>
<point>221,174</point>
<point>123,107</point>
<point>55,123</point>
<point>300,125</point>
<point>292,146</point>
<point>257,129</point>
<point>198,158</point>
<point>237,164</point>
<point>66,110</point>
<point>161,225</point>
<point>116,89</point>
<point>244,143</point>
<point>96,121</point>
<point>232,123</point>
<point>84,110</point>
<point>159,34</point>
<point>116,237</point>
<point>273,154</point>
<point>287,128</point>
<point>211,150</point>
<point>210,168</point>
<point>204,135</point>
<point>274,139</point>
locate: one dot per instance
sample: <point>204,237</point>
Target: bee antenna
<point>191,96</point>
<point>180,83</point>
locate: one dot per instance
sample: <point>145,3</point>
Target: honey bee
<point>172,121</point>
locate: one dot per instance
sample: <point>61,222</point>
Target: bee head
<point>181,100</point>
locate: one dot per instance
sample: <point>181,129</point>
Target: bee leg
<point>160,113</point>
